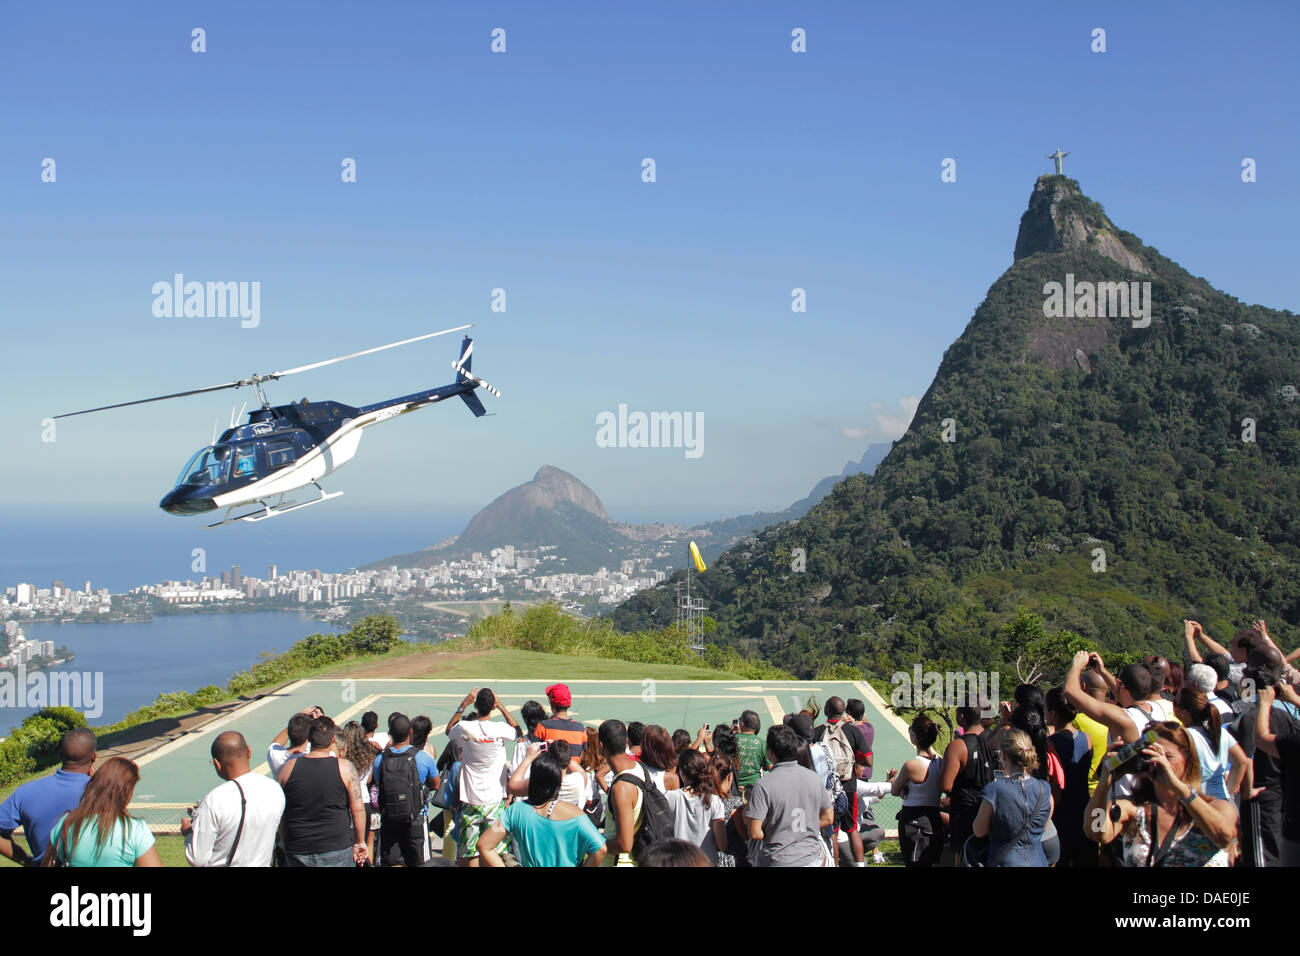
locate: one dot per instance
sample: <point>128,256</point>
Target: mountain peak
<point>1061,218</point>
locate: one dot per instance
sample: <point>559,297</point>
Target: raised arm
<point>1217,819</point>
<point>1189,642</point>
<point>1112,715</point>
<point>517,785</point>
<point>455,718</point>
<point>1213,646</point>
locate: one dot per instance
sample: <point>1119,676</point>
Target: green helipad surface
<point>178,774</point>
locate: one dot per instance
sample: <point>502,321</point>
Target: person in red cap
<point>559,726</point>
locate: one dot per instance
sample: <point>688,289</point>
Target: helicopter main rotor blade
<point>259,379</point>
<point>156,398</point>
<point>379,348</point>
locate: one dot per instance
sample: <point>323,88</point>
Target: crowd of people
<point>1160,764</point>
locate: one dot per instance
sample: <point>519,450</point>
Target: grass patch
<point>170,848</point>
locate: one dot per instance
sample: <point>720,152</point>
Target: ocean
<point>172,653</point>
<point>121,554</point>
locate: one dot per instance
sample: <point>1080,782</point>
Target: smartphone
<point>546,745</point>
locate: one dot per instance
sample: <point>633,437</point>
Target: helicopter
<point>259,468</point>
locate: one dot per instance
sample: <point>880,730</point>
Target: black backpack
<point>656,815</point>
<point>401,792</point>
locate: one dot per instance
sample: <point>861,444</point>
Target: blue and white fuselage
<point>285,448</point>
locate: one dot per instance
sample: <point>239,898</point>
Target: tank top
<point>656,777</point>
<point>925,793</point>
<point>968,789</point>
<point>317,811</point>
<point>611,826</point>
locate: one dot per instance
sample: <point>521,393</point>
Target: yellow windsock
<point>697,558</point>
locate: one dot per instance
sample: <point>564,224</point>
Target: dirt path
<point>136,741</point>
<point>422,664</point>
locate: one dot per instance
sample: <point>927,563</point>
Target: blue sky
<point>522,171</point>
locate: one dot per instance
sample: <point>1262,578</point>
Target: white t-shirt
<point>693,820</point>
<point>217,819</point>
<point>382,739</point>
<point>656,777</point>
<point>575,789</point>
<point>1222,706</point>
<point>482,760</point>
<point>277,756</point>
<point>1161,709</point>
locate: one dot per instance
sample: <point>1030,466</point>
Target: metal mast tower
<point>690,614</point>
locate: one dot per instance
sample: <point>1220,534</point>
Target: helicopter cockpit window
<point>279,454</point>
<point>211,466</point>
<point>245,461</point>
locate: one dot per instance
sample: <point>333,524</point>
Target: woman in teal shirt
<point>99,831</point>
<point>545,831</point>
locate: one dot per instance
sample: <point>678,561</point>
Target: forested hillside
<point>1077,441</point>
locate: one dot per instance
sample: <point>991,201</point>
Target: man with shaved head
<point>236,823</point>
<point>37,806</point>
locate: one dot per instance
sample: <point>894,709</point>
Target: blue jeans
<point>332,858</point>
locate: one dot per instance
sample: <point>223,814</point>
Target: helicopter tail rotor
<point>463,375</point>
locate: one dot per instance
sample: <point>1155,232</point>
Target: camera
<point>1129,758</point>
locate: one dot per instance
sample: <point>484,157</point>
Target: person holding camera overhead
<point>1166,820</point>
<point>482,769</point>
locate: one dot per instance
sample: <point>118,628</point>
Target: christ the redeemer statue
<point>1058,156</point>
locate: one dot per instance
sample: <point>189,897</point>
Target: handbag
<point>446,797</point>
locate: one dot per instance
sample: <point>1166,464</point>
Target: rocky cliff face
<point>1061,218</point>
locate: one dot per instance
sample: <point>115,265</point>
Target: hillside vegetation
<point>1129,450</point>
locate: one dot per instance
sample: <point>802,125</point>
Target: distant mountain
<point>1111,443</point>
<point>557,509</point>
<point>554,508</point>
<point>872,457</point>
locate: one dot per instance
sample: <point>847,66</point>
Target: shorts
<point>474,822</point>
<point>847,818</point>
<point>401,843</point>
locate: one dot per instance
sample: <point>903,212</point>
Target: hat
<point>559,696</point>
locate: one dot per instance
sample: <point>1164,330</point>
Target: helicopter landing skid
<point>271,510</point>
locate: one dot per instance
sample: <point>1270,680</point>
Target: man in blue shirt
<point>401,802</point>
<point>37,806</point>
